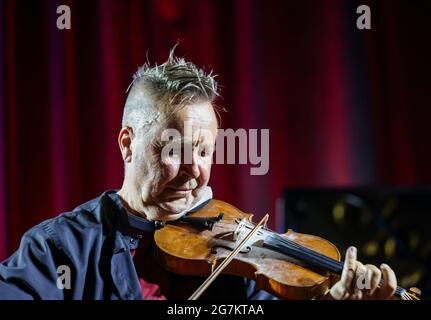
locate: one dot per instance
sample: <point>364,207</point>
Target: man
<point>103,248</point>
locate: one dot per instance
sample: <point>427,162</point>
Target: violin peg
<point>415,291</point>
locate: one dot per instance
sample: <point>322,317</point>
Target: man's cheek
<point>169,172</point>
<point>145,192</point>
<point>205,173</point>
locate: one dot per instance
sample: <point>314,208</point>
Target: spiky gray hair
<point>160,90</point>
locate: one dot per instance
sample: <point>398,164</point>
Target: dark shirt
<point>95,242</point>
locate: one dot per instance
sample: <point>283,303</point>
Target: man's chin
<point>174,208</point>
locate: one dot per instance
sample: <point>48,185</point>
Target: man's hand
<point>362,282</point>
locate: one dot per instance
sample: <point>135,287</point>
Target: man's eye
<point>205,152</point>
<point>174,152</point>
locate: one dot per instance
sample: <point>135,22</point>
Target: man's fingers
<point>390,282</point>
<point>357,295</point>
<point>375,278</point>
<point>367,281</point>
<point>338,292</point>
<point>349,268</point>
<point>360,277</point>
<point>359,281</point>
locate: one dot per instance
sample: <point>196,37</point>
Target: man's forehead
<point>196,117</point>
<point>200,113</point>
<point>187,131</point>
<point>194,123</point>
<point>196,141</point>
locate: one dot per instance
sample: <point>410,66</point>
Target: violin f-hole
<point>246,249</point>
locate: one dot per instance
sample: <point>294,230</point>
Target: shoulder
<point>77,229</point>
<point>87,215</point>
<point>75,239</point>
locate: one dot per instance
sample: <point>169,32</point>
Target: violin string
<point>324,261</point>
<point>327,261</point>
<point>319,259</point>
<point>227,260</point>
<point>334,264</point>
<point>300,249</point>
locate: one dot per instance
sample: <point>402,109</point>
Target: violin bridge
<point>239,229</point>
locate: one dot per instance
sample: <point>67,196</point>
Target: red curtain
<point>344,106</point>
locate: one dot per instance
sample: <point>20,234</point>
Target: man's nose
<point>190,169</point>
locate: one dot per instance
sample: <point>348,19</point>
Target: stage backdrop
<point>344,106</point>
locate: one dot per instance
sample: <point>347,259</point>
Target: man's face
<point>169,181</point>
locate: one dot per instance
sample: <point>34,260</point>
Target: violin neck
<point>314,259</point>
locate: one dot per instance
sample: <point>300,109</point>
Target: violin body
<point>186,249</point>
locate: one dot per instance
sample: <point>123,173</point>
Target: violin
<point>290,265</point>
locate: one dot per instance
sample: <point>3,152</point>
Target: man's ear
<point>125,143</point>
